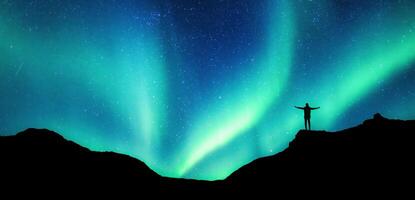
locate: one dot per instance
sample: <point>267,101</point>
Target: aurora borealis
<point>197,89</point>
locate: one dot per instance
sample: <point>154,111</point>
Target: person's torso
<point>307,112</point>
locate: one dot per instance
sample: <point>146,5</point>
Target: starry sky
<point>195,88</point>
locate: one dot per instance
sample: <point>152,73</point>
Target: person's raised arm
<point>299,107</point>
<point>315,108</point>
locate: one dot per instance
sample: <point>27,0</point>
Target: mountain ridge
<point>377,152</point>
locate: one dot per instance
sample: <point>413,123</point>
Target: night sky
<point>198,88</point>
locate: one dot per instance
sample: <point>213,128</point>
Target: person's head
<point>306,104</point>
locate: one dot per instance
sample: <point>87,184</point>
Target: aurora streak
<point>197,89</point>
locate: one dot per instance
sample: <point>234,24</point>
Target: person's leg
<point>305,123</point>
<point>309,124</point>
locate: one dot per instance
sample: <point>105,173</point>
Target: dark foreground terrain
<point>375,157</point>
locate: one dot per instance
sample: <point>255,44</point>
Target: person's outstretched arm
<point>315,108</point>
<point>299,107</point>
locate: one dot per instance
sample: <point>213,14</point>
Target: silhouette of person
<point>307,114</point>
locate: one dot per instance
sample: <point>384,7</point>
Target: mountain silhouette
<point>376,156</point>
<point>39,158</point>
